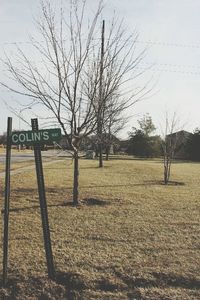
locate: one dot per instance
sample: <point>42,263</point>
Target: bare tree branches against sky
<point>169,29</point>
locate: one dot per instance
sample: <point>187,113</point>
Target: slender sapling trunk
<point>76,177</point>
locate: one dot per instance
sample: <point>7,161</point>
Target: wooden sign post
<point>36,138</point>
<point>43,203</point>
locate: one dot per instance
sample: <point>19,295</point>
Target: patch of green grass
<point>132,237</point>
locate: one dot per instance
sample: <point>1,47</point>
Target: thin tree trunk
<point>76,179</point>
<point>100,156</point>
<point>165,174</point>
<point>107,153</point>
<point>167,167</point>
<point>97,151</point>
<point>169,170</point>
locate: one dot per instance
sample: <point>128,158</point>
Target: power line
<point>153,64</point>
<point>157,64</point>
<point>153,69</point>
<point>167,44</point>
<point>190,73</point>
<point>149,42</point>
<point>170,71</point>
<point>172,65</point>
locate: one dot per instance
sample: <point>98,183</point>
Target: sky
<point>169,29</point>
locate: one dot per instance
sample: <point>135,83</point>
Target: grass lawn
<point>132,237</point>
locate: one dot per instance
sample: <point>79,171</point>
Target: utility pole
<point>101,100</point>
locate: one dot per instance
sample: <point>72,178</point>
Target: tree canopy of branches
<point>81,86</point>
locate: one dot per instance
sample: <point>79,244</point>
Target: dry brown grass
<point>132,237</point>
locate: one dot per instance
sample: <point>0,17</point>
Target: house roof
<point>181,133</point>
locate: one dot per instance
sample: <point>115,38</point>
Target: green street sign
<point>45,136</point>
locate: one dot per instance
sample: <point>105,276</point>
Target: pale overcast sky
<point>170,29</point>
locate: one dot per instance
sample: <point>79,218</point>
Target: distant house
<point>180,139</point>
<point>64,143</point>
<point>124,144</point>
<point>2,140</point>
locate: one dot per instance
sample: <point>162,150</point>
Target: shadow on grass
<point>161,182</point>
<point>72,280</point>
<point>93,201</point>
<point>71,285</point>
<point>65,286</point>
<point>30,191</point>
<point>84,202</point>
<point>144,183</point>
<point>26,192</point>
<point>132,158</point>
<point>162,280</point>
<point>95,167</point>
<point>20,209</point>
<point>177,281</point>
<point>34,191</point>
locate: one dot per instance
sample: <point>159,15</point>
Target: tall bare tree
<point>76,78</point>
<point>60,83</point>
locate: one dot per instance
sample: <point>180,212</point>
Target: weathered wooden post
<point>43,204</point>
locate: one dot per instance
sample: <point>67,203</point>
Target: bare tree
<point>170,142</point>
<point>76,78</point>
<point>60,83</point>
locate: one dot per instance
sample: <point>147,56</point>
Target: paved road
<point>20,156</point>
<point>17,157</point>
<point>49,157</point>
<point>30,167</point>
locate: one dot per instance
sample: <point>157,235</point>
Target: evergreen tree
<point>141,142</point>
